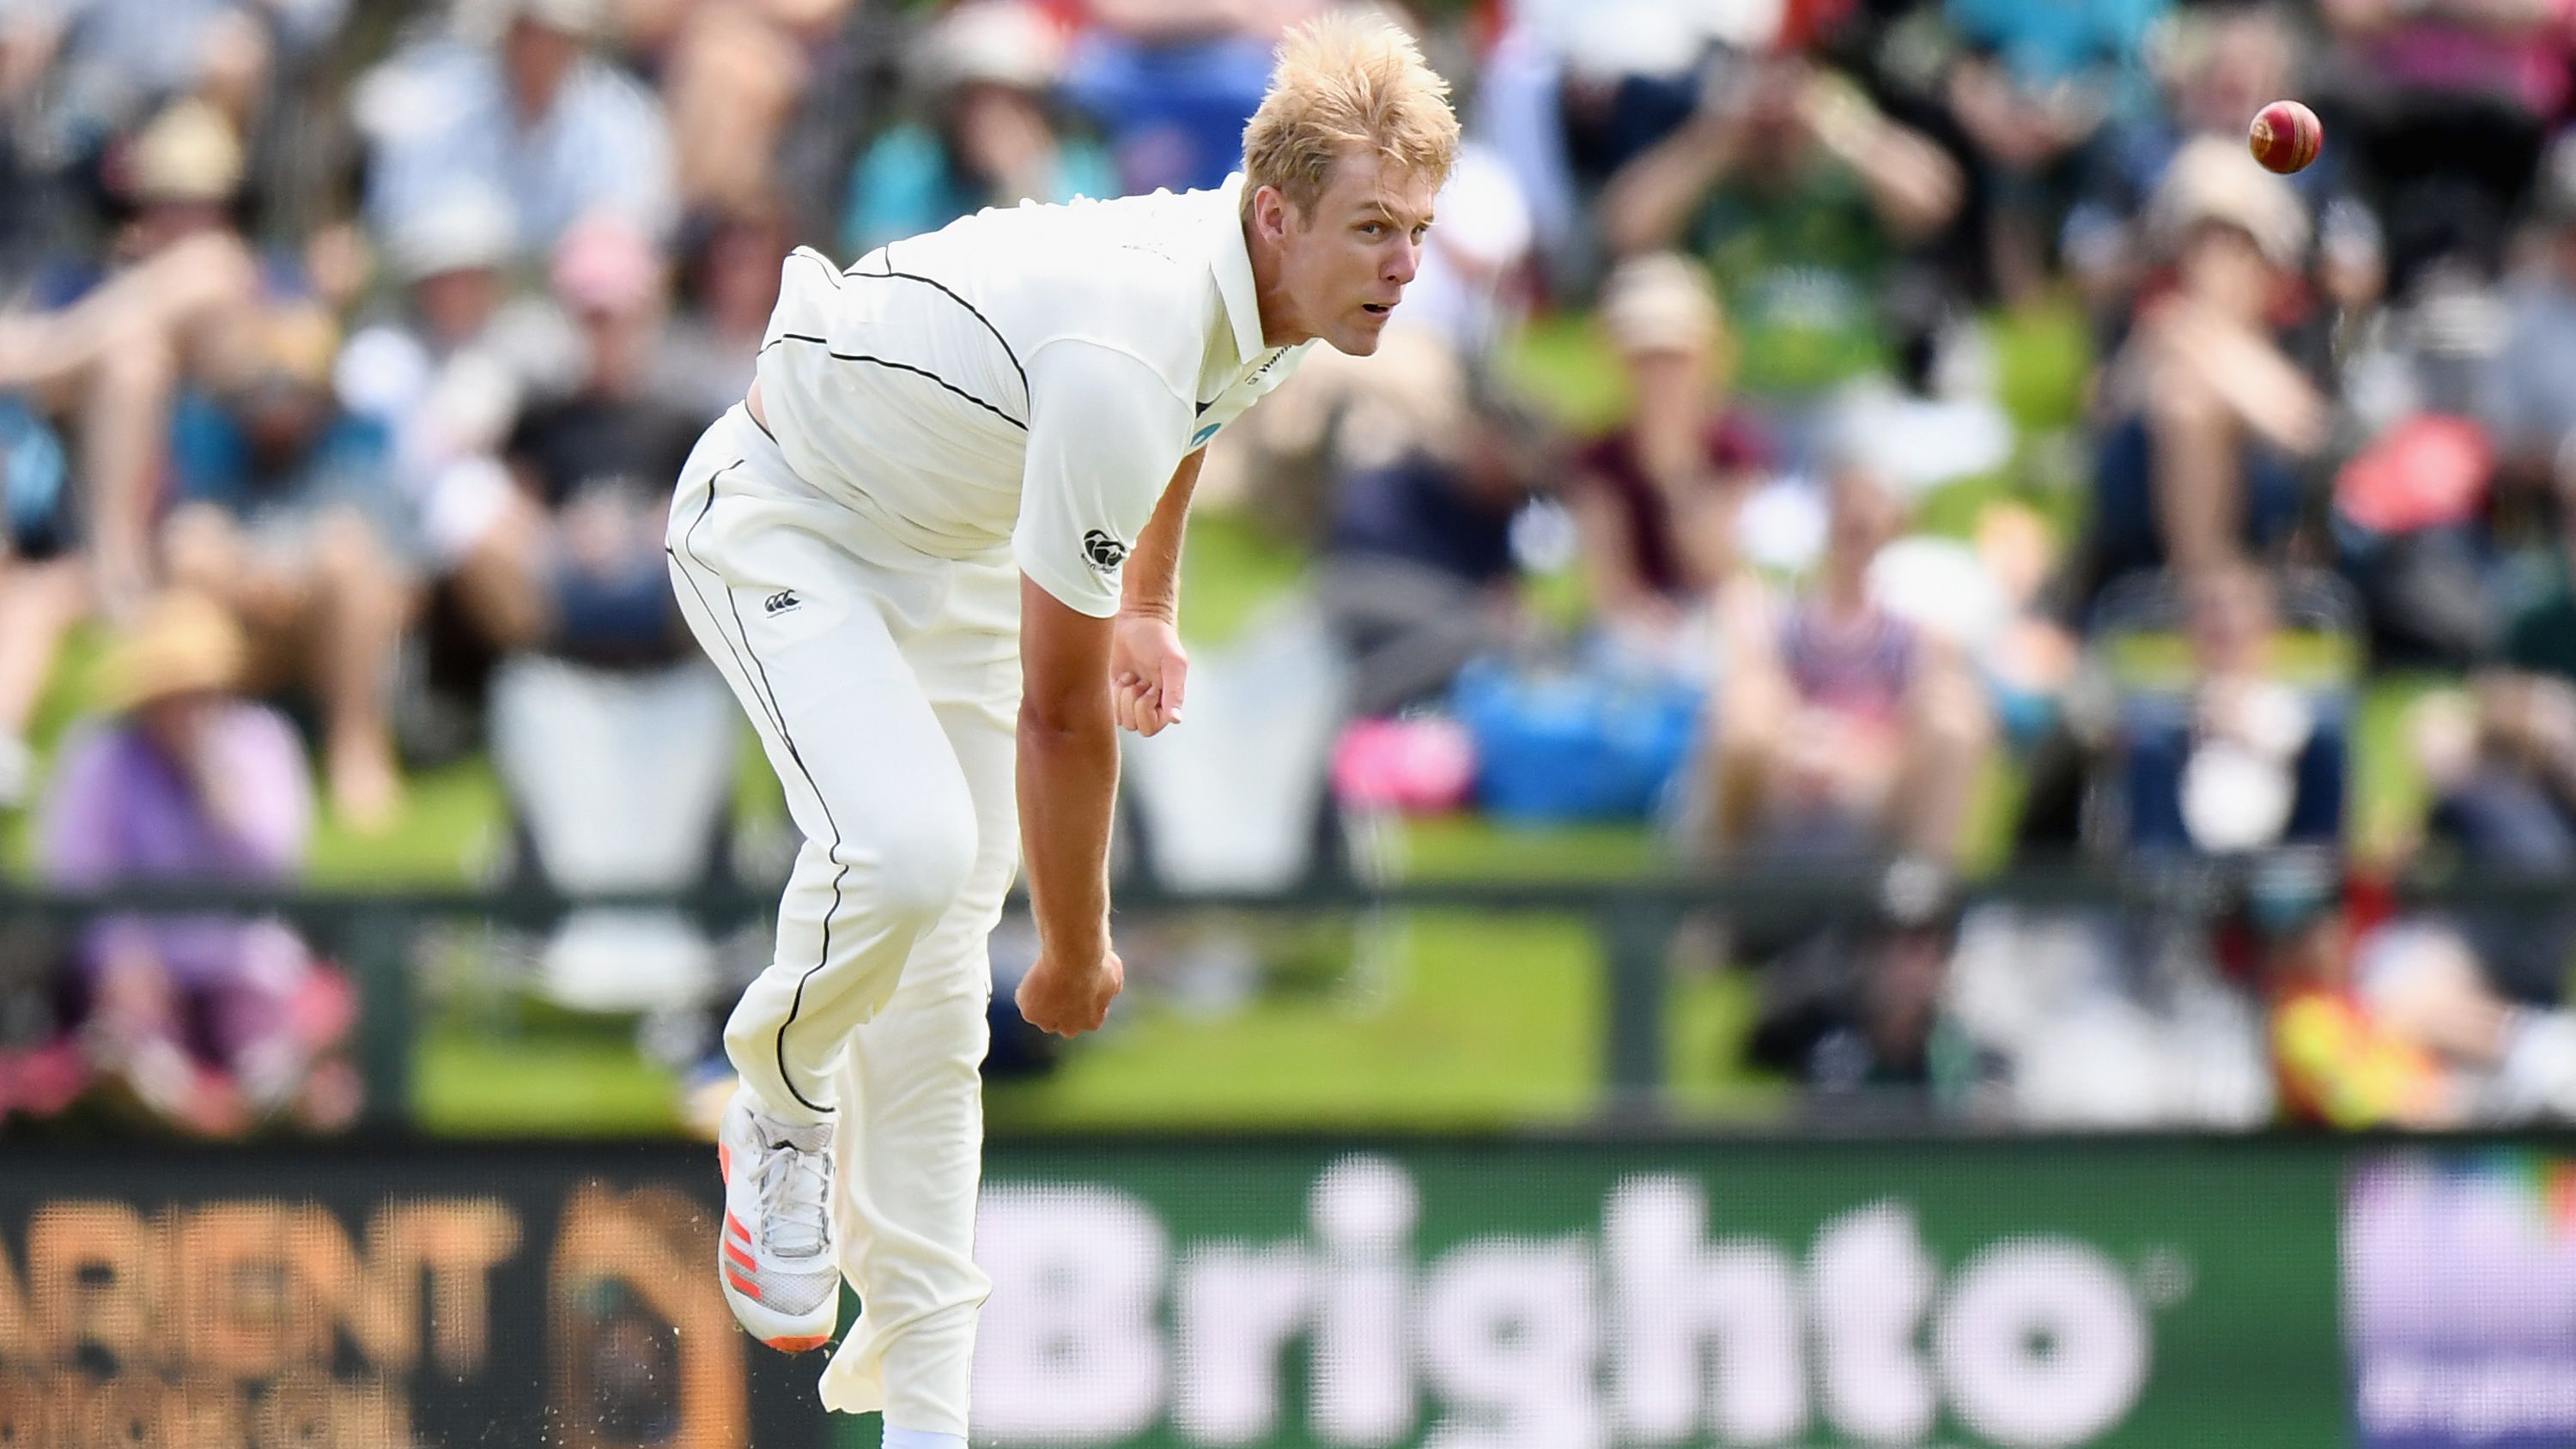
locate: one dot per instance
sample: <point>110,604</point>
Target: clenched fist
<point>1069,1000</point>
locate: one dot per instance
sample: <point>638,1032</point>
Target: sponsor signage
<point>1198,1293</point>
<point>439,1297</point>
<point>1965,1296</point>
<point>2460,1299</point>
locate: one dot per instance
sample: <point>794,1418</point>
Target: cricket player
<point>936,552</point>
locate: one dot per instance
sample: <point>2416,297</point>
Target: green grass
<point>450,828</point>
<point>1706,1021</point>
<point>2389,794</point>
<point>1483,1022</point>
<point>1565,366</point>
<point>1230,568</point>
<point>2043,360</point>
<point>1464,847</point>
<point>471,1082</point>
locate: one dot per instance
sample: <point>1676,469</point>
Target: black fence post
<point>1636,935</point>
<point>388,1019</point>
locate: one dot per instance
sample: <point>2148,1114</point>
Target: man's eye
<point>1372,228</point>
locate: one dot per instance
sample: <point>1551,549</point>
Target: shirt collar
<point>1231,260</point>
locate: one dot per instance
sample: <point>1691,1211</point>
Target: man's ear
<point>1270,212</point>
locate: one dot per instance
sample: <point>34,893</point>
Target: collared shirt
<point>1029,377</point>
<point>440,124</point>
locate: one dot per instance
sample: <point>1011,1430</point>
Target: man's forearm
<point>1068,779</point>
<point>1649,201</point>
<point>1152,582</point>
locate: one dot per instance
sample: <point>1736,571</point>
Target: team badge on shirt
<point>1105,551</point>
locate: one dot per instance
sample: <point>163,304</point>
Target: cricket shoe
<point>775,1260</point>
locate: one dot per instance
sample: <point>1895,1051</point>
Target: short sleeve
<point>1105,435</point>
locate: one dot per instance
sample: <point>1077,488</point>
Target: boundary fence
<point>1633,920</point>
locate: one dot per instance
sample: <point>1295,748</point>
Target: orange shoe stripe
<point>743,1285</point>
<point>734,1226</point>
<point>740,1258</point>
<point>798,1345</point>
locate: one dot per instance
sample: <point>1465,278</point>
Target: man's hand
<point>1148,673</point>
<point>1070,1000</point>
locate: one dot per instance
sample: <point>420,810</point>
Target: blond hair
<point>1347,83</point>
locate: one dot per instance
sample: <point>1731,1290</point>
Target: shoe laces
<point>795,1185</point>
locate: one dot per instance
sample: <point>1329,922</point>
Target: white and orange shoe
<point>775,1257</point>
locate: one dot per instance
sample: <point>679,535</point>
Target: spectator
<point>110,353</point>
<point>2210,416</point>
<point>2447,104</point>
<point>214,1022</point>
<point>2397,1025</point>
<point>1839,726</point>
<point>2222,66</point>
<point>1418,573</point>
<point>112,61</point>
<point>614,739</point>
<point>286,509</point>
<point>1572,90</point>
<point>106,354</point>
<point>2500,766</point>
<point>733,75</point>
<point>1656,502</point>
<point>2034,84</point>
<point>1803,197</point>
<point>728,286</point>
<point>1858,1006</point>
<point>990,140</point>
<point>538,113</point>
<point>2247,761</point>
<point>563,553</point>
<point>447,375</point>
<point>2524,397</point>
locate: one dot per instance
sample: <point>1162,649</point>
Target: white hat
<point>585,18</point>
<point>469,225</point>
<point>2212,179</point>
<point>1661,302</point>
<point>997,42</point>
<point>484,21</point>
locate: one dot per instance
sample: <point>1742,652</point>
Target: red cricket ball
<point>2286,136</point>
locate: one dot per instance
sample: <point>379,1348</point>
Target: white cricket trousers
<point>885,686</point>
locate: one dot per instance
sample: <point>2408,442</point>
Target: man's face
<point>454,304</point>
<point>1345,262</point>
<point>1670,378</point>
<point>1863,517</point>
<point>2224,266</point>
<point>537,57</point>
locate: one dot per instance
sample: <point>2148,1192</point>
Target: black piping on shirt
<point>825,342</point>
<point>890,272</point>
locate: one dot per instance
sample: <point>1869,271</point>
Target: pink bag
<point>1418,766</point>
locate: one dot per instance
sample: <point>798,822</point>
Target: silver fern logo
<point>1105,550</point>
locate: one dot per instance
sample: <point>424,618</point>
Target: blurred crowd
<point>1861,431</point>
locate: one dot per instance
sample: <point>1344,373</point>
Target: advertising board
<point>1537,1296</point>
<point>437,1297</point>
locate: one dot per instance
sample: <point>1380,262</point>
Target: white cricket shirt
<point>1030,376</point>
